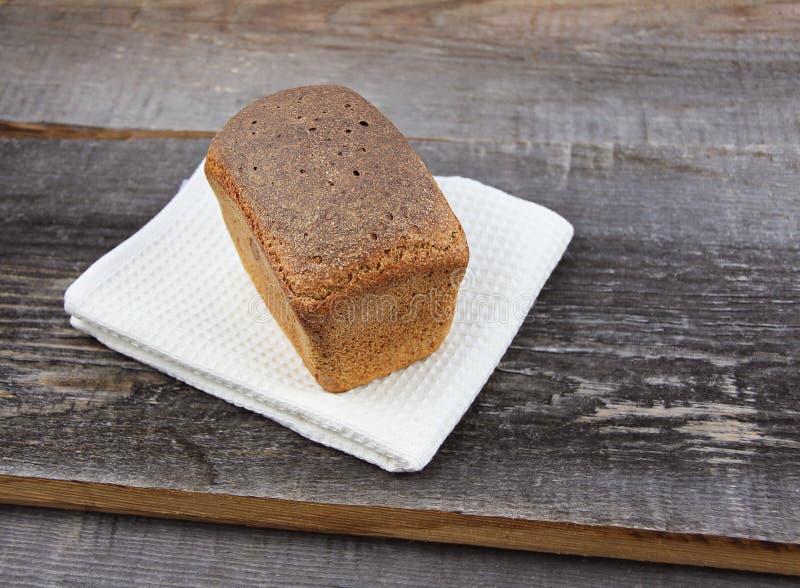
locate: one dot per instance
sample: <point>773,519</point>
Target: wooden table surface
<point>649,408</point>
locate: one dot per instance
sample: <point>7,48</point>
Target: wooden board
<point>653,388</point>
<point>682,72</point>
<point>45,548</point>
<point>636,414</point>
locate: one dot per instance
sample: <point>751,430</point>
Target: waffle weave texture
<point>176,296</point>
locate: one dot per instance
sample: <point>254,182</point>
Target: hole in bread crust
<point>348,131</point>
<point>390,216</point>
<point>254,122</point>
<point>312,129</point>
<point>255,168</point>
<point>374,236</point>
<point>363,123</point>
<point>356,172</point>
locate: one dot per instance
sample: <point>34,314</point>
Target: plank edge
<point>47,130</point>
<point>399,523</point>
<point>11,129</point>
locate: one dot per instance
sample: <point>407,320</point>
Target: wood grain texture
<point>653,386</point>
<point>24,130</point>
<point>418,524</point>
<point>680,72</point>
<point>45,548</point>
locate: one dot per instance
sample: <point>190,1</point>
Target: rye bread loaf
<point>343,230</point>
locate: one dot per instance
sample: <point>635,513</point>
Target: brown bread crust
<point>343,230</point>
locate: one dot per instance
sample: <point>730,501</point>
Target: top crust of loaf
<point>333,191</point>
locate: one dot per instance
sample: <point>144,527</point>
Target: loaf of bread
<point>343,230</point>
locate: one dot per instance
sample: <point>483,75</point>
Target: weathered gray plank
<point>654,385</point>
<point>47,548</point>
<point>701,73</point>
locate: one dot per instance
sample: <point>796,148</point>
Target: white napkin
<point>175,296</point>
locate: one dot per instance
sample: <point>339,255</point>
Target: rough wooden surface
<point>45,548</point>
<point>418,524</point>
<point>49,548</point>
<point>652,387</point>
<point>679,72</point>
<point>655,383</point>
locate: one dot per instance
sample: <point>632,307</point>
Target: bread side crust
<point>269,286</point>
<point>365,332</point>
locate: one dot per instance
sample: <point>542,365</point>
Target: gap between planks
<point>28,130</point>
<point>46,130</point>
<point>399,523</point>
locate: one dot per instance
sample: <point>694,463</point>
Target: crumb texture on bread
<point>330,207</point>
